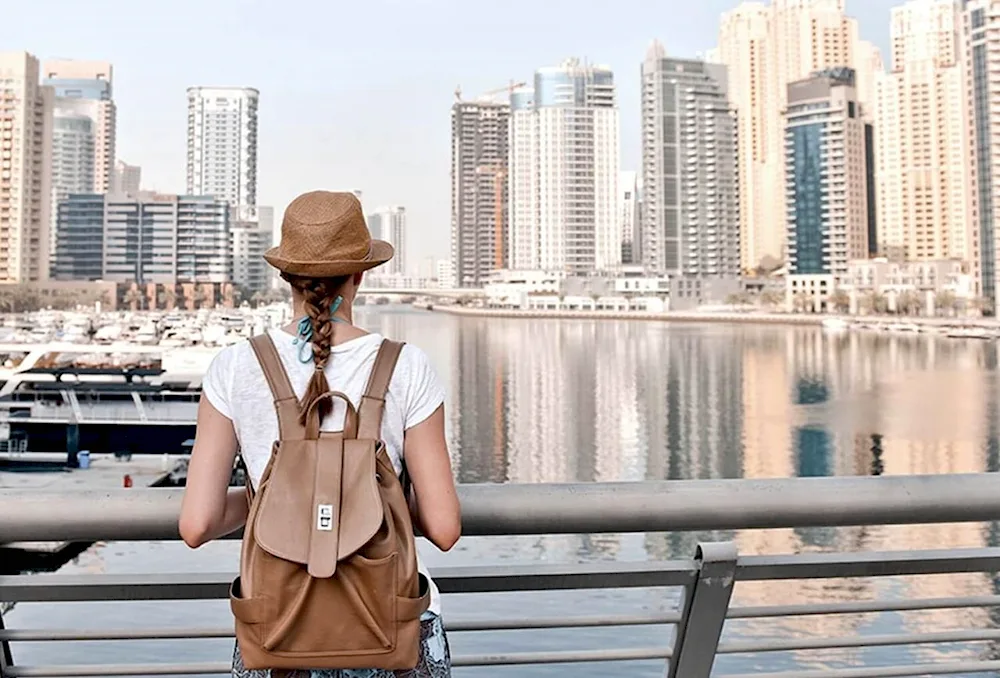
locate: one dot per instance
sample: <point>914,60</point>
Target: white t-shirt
<point>235,385</point>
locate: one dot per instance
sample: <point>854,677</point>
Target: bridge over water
<point>694,632</point>
<point>435,293</point>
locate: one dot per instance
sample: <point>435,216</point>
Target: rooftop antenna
<point>458,93</point>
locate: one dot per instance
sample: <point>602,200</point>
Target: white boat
<point>970,333</point>
<point>835,325</point>
<point>183,363</point>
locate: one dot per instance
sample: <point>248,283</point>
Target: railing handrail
<point>520,509</point>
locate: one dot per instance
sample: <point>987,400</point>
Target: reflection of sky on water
<point>548,401</point>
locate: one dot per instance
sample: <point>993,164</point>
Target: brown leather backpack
<point>328,569</point>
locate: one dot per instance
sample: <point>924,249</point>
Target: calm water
<point>567,401</point>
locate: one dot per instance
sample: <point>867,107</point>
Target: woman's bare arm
<point>210,509</point>
<point>438,515</point>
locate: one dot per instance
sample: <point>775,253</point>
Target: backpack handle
<point>312,416</point>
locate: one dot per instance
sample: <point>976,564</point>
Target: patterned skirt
<point>434,662</point>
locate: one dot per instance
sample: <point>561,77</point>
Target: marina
<point>125,383</point>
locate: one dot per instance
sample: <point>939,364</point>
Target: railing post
<point>6,658</point>
<point>704,612</point>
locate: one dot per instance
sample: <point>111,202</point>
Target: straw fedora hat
<point>324,235</point>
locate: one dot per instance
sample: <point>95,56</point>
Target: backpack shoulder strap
<point>285,403</point>
<point>373,400</point>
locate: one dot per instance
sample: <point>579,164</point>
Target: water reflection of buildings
<point>766,409</point>
<point>479,391</point>
<point>551,401</point>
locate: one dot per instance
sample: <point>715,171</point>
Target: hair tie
<point>305,332</point>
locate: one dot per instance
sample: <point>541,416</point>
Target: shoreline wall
<point>750,317</point>
<point>676,316</point>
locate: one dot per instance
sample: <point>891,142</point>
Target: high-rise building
<point>72,159</point>
<point>631,218</point>
<point>85,88</point>
<point>444,273</point>
<point>149,238</point>
<point>78,253</point>
<point>920,127</point>
<point>745,48</point>
<point>563,169</point>
<point>222,147</point>
<point>126,179</point>
<point>479,131</point>
<point>250,270</point>
<point>827,174</point>
<point>251,239</point>
<point>981,52</point>
<point>869,67</point>
<point>72,153</point>
<point>25,169</point>
<point>766,47</point>
<point>389,224</point>
<point>691,221</point>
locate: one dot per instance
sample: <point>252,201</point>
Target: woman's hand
<point>210,510</point>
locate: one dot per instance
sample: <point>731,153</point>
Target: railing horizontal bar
<point>861,607</point>
<point>605,574</point>
<point>942,669</point>
<point>174,633</point>
<point>485,579</point>
<point>464,625</point>
<point>63,670</point>
<point>563,657</point>
<point>561,622</point>
<point>46,588</point>
<point>505,659</point>
<point>57,587</point>
<point>867,564</point>
<point>787,644</point>
<point>565,508</point>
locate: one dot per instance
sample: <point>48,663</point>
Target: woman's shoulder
<point>412,357</point>
<point>233,354</point>
<point>417,385</point>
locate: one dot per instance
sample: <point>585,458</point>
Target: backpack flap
<point>361,503</point>
<point>286,516</point>
<point>322,502</point>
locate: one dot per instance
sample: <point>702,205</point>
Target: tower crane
<point>489,94</point>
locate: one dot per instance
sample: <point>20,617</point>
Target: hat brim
<point>379,253</point>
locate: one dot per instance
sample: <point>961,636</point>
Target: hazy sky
<point>356,94</point>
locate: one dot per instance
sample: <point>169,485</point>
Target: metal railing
<point>706,580</point>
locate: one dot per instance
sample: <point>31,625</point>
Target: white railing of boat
<point>188,362</point>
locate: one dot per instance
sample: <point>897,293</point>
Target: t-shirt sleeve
<point>217,384</point>
<point>424,392</point>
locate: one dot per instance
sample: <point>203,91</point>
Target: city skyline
<point>353,132</point>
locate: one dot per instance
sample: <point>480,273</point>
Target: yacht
<point>121,397</point>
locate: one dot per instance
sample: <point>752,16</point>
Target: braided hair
<point>318,295</point>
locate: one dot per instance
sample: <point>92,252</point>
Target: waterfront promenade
<point>694,628</point>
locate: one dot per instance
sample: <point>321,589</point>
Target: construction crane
<point>489,94</point>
